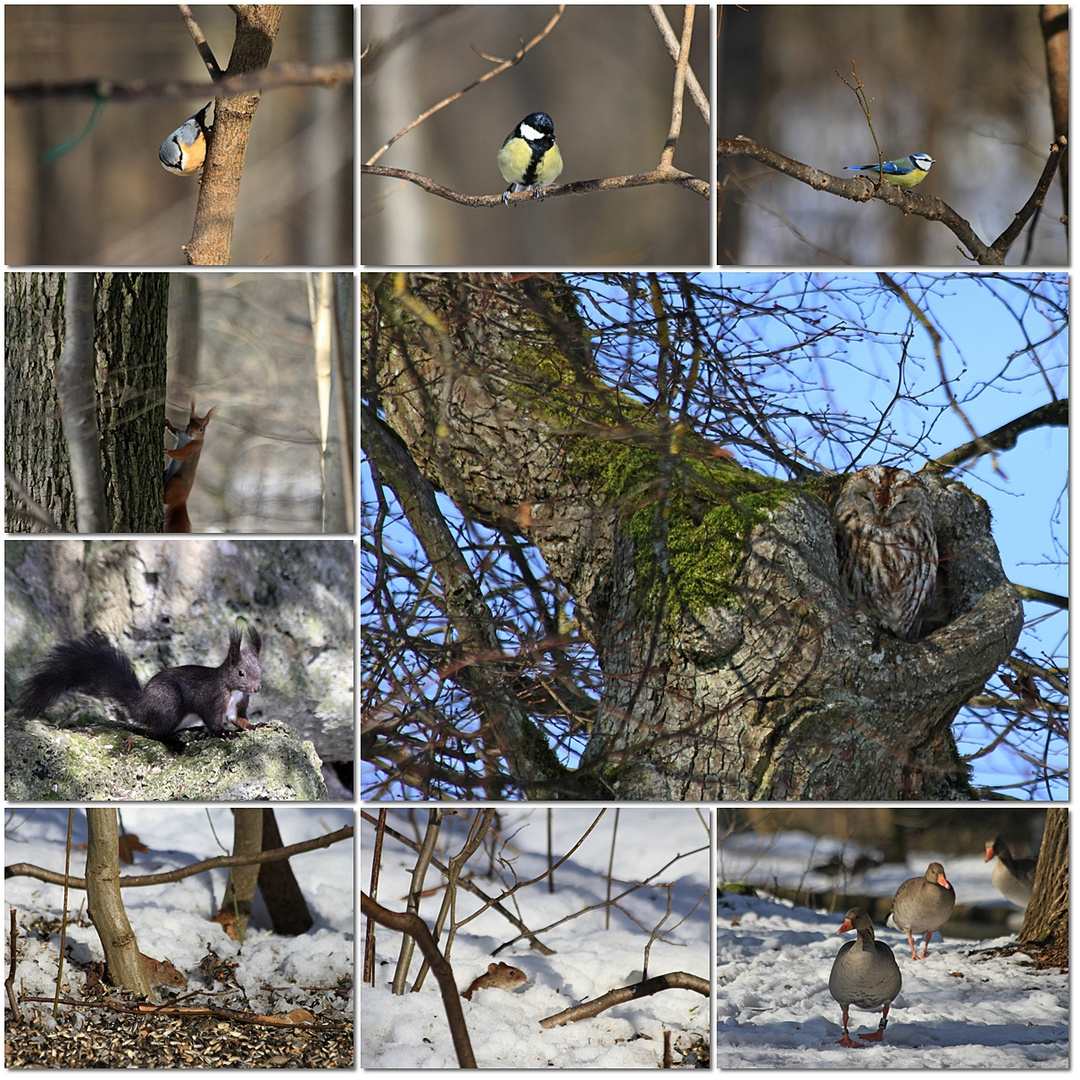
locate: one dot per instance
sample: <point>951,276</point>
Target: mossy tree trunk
<point>733,666</point>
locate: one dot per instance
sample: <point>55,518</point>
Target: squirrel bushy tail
<point>174,698</point>
<point>93,665</point>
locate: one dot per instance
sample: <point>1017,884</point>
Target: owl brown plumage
<point>888,551</point>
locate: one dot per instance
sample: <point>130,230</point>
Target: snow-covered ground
<point>957,1009</point>
<point>589,959</point>
<point>172,921</point>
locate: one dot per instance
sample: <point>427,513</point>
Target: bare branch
<point>1052,414</point>
<point>932,208</point>
<point>503,66</point>
<point>675,980</point>
<point>136,91</point>
<point>659,175</point>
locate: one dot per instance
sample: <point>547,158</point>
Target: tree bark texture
<point>257,27</point>
<point>734,667</point>
<point>235,910</point>
<point>130,312</point>
<point>122,957</point>
<point>1047,914</point>
<point>281,892</point>
<point>78,403</point>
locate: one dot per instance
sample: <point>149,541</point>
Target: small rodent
<point>158,973</point>
<point>162,973</point>
<point>501,975</point>
<point>175,698</point>
<point>180,471</point>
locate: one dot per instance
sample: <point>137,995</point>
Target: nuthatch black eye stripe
<point>184,151</point>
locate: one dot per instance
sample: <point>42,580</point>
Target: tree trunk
<point>734,667</point>
<point>123,961</point>
<point>281,892</point>
<point>1047,913</point>
<point>130,313</point>
<point>235,910</point>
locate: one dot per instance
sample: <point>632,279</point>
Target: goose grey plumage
<point>864,973</point>
<point>1013,878</point>
<point>922,904</point>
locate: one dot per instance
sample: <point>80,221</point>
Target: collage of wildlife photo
<point>705,368</point>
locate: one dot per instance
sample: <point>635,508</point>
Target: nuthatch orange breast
<point>184,151</point>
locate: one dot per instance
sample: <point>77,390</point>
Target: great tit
<point>904,172</point>
<point>529,157</point>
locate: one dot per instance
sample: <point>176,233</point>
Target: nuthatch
<point>184,151</point>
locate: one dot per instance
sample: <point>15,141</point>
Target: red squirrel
<point>175,698</point>
<point>180,471</point>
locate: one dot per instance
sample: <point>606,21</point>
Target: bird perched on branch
<point>903,173</point>
<point>529,157</point>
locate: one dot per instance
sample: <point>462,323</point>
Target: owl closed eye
<point>888,550</point>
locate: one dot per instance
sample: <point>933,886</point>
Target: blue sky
<point>1001,360</point>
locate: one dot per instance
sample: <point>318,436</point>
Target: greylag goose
<point>1013,878</point>
<point>922,904</point>
<point>864,973</point>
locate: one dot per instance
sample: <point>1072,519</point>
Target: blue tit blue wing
<point>893,168</point>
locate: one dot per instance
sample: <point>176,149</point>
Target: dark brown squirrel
<point>180,471</point>
<point>175,698</point>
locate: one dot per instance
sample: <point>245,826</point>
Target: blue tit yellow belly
<point>906,172</point>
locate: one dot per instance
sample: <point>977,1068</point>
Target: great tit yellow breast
<point>549,166</point>
<point>516,160</point>
<point>529,157</point>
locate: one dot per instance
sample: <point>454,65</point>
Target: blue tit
<point>529,157</point>
<point>184,151</point>
<point>904,172</point>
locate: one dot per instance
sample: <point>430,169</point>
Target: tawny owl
<point>888,551</point>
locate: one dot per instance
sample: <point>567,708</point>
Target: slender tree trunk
<point>106,906</point>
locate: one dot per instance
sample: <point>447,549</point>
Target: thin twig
<point>675,128</point>
<point>139,1008</point>
<point>660,175</point>
<point>139,90</point>
<point>201,43</point>
<point>699,96</point>
<point>503,66</point>
<point>29,870</point>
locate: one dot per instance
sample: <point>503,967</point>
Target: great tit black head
<point>529,157</point>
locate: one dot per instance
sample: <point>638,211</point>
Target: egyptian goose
<point>1013,878</point>
<point>864,973</point>
<point>922,904</point>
